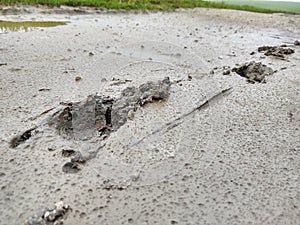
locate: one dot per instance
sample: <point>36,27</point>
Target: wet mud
<point>97,117</point>
<point>138,150</point>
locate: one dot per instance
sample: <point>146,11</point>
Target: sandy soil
<point>233,162</point>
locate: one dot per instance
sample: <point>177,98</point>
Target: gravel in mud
<point>235,161</point>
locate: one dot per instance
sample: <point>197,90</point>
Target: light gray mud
<point>235,161</point>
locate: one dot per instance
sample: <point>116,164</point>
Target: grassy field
<point>141,4</point>
<point>293,7</point>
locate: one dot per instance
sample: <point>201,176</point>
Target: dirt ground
<point>189,158</point>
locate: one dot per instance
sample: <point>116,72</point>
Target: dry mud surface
<point>216,143</point>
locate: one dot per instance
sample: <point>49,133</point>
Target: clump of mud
<point>19,139</point>
<point>253,71</point>
<point>96,118</point>
<point>280,52</point>
<point>104,115</point>
<point>50,216</point>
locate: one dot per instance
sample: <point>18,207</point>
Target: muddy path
<point>217,145</point>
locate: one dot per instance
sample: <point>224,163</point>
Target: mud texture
<point>50,216</point>
<point>280,52</point>
<point>233,161</point>
<point>98,116</point>
<point>105,114</point>
<point>253,71</point>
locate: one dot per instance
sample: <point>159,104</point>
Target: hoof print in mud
<point>71,167</point>
<point>94,119</point>
<point>254,71</point>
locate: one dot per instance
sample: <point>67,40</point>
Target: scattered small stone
<point>252,53</point>
<point>226,72</point>
<point>78,78</point>
<point>51,149</point>
<point>297,42</point>
<point>91,54</point>
<point>3,64</point>
<point>54,216</point>
<point>253,71</point>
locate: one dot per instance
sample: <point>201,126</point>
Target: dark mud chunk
<point>226,72</point>
<point>276,51</point>
<point>99,115</point>
<point>71,167</point>
<point>50,216</point>
<point>82,119</point>
<point>297,42</point>
<point>19,139</point>
<point>68,152</point>
<point>253,71</point>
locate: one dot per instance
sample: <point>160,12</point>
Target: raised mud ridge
<point>97,117</point>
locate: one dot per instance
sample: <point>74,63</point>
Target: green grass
<point>141,4</point>
<point>292,7</point>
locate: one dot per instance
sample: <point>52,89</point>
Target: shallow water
<point>24,26</point>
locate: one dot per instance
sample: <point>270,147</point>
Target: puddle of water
<point>24,26</point>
